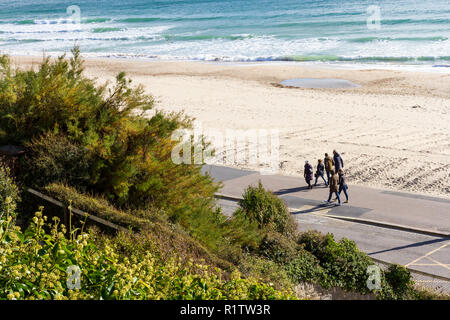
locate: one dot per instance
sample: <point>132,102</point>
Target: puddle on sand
<point>317,83</point>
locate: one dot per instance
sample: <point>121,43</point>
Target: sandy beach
<point>393,131</point>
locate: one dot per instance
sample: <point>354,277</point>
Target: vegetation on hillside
<point>96,138</point>
<point>35,264</point>
<point>98,149</point>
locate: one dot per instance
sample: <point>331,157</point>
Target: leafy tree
<point>97,138</point>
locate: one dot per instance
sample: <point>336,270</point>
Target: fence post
<point>9,157</point>
<point>66,220</point>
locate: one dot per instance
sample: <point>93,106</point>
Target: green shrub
<point>278,248</point>
<point>399,278</point>
<point>244,232</point>
<point>267,210</point>
<point>305,268</point>
<point>267,271</point>
<point>227,238</point>
<point>345,266</point>
<point>224,238</point>
<point>299,264</point>
<point>54,158</point>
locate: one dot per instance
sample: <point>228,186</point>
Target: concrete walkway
<point>397,208</point>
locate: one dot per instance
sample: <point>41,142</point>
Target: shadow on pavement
<point>291,190</point>
<point>313,209</point>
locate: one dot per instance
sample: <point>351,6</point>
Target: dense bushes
<point>219,236</point>
<point>96,205</point>
<point>154,224</point>
<point>399,285</point>
<point>399,278</point>
<point>36,264</point>
<point>312,256</point>
<point>265,270</point>
<point>96,137</point>
<point>299,264</point>
<point>54,158</point>
<point>345,265</point>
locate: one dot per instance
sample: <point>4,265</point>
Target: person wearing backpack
<point>308,173</point>
<point>320,171</point>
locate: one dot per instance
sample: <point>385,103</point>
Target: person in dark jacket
<point>343,184</point>
<point>320,171</point>
<point>334,183</point>
<point>329,162</point>
<point>308,174</point>
<point>338,162</point>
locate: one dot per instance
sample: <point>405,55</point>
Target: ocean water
<point>409,32</point>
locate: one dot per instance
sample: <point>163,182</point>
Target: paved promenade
<point>397,227</point>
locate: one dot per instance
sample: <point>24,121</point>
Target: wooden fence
<point>78,212</point>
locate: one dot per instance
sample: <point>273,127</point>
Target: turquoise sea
<point>325,31</point>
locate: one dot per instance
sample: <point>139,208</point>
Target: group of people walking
<point>333,167</point>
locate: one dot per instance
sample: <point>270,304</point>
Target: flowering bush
<point>7,190</point>
<point>35,264</point>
